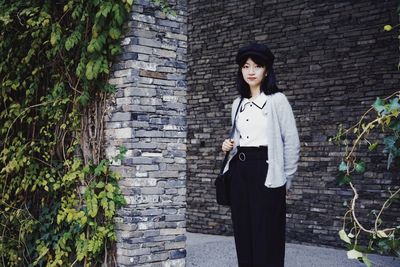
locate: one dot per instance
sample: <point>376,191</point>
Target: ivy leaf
<point>394,104</point>
<point>104,203</point>
<point>391,149</point>
<point>55,34</point>
<point>89,70</point>
<point>354,254</point>
<point>122,152</point>
<point>96,44</point>
<point>372,146</point>
<point>343,236</point>
<point>379,105</point>
<point>104,66</point>
<point>96,68</point>
<point>384,245</point>
<point>83,220</point>
<point>105,9</point>
<point>94,207</point>
<point>111,207</point>
<point>110,88</point>
<point>84,98</point>
<point>90,47</point>
<point>344,179</point>
<point>101,168</point>
<point>382,234</point>
<point>343,167</point>
<point>114,33</point>
<point>395,125</point>
<point>360,167</point>
<point>86,169</point>
<point>100,185</point>
<point>69,43</point>
<point>117,14</point>
<point>115,50</point>
<point>110,188</point>
<point>72,40</point>
<point>389,142</point>
<point>366,260</point>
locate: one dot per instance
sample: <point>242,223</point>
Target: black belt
<point>252,153</point>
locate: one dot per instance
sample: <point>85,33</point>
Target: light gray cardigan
<point>284,144</point>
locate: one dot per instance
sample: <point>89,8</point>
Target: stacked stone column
<point>149,118</point>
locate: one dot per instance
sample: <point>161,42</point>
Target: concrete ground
<point>219,251</point>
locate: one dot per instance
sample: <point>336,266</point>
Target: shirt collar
<point>259,102</point>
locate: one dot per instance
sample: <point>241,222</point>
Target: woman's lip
<point>251,78</point>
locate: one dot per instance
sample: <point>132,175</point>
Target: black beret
<point>258,50</point>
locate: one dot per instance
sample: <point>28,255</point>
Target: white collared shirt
<point>283,140</point>
<point>252,122</point>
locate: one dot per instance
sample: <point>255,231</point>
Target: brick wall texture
<point>332,60</point>
<point>148,117</point>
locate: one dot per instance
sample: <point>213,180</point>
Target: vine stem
<point>359,138</point>
<point>384,206</point>
<point>76,260</point>
<point>25,110</point>
<point>344,218</point>
<point>3,254</point>
<point>353,212</point>
<point>105,254</point>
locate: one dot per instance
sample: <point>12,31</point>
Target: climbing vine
<point>378,128</point>
<point>383,236</point>
<point>58,196</point>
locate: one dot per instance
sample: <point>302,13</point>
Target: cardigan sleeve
<point>233,109</point>
<point>290,137</point>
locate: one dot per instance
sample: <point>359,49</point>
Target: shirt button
<point>247,120</point>
<point>247,137</point>
<point>251,105</point>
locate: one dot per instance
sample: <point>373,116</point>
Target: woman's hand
<point>227,145</point>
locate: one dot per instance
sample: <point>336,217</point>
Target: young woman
<point>263,159</point>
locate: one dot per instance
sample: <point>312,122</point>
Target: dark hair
<point>268,85</point>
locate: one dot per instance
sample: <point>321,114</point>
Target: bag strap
<point>231,133</point>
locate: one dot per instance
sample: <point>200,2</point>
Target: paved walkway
<point>219,251</point>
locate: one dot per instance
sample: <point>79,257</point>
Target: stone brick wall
<point>332,60</point>
<point>149,119</point>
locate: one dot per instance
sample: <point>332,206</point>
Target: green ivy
<point>384,115</point>
<point>57,203</point>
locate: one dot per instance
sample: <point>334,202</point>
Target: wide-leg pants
<point>258,212</point>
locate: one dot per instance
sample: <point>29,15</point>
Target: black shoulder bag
<point>223,181</point>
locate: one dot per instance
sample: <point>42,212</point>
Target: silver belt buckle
<point>242,156</point>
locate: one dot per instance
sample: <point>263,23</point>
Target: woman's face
<point>253,73</point>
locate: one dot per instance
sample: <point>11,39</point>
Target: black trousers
<point>258,212</point>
